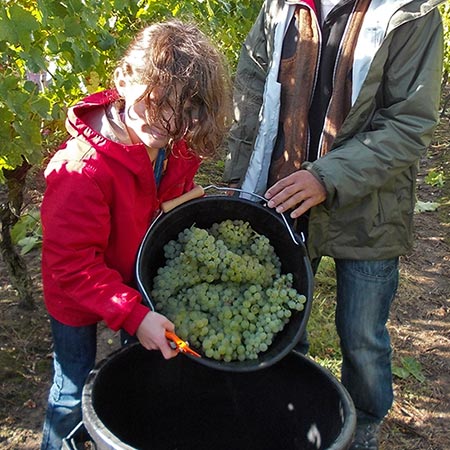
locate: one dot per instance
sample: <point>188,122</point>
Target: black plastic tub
<point>137,400</point>
<point>288,246</point>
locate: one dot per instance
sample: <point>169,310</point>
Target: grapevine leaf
<point>24,25</point>
<point>106,41</point>
<point>72,27</point>
<point>7,84</point>
<point>35,60</point>
<point>41,106</point>
<point>53,44</point>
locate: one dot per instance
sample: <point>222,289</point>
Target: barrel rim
<point>97,429</point>
<point>93,424</point>
<point>349,411</point>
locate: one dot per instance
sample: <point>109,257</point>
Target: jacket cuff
<point>134,318</point>
<point>316,172</point>
<point>310,168</point>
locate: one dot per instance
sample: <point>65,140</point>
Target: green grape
<point>224,290</point>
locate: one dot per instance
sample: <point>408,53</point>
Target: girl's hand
<point>151,334</point>
<point>300,190</point>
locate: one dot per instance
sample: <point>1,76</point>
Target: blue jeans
<point>365,290</point>
<point>74,357</point>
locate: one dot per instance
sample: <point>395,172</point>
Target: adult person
<point>335,102</point>
<point>130,149</point>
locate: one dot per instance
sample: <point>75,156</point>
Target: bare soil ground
<point>419,326</point>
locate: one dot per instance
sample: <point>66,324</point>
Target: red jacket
<point>101,197</point>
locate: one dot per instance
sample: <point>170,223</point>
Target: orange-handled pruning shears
<point>183,346</point>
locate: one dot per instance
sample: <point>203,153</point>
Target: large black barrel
<point>289,248</point>
<point>137,400</point>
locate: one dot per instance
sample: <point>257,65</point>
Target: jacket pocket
<point>389,211</point>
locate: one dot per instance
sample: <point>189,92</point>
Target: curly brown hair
<point>192,78</point>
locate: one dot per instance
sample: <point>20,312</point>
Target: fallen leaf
<point>426,206</point>
<point>30,404</point>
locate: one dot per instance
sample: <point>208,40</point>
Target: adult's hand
<point>301,190</point>
<point>152,334</point>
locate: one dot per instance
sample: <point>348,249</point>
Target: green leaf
<point>41,106</point>
<point>30,87</point>
<point>75,6</point>
<point>6,27</point>
<point>85,60</point>
<point>17,101</point>
<point>400,372</point>
<point>72,27</point>
<point>53,44</point>
<point>19,231</point>
<point>106,41</point>
<point>29,243</point>
<point>53,8</point>
<point>410,367</point>
<point>24,25</point>
<point>66,47</point>
<point>57,113</point>
<point>6,115</point>
<point>28,224</point>
<point>435,178</point>
<point>413,367</point>
<point>7,84</point>
<point>35,60</point>
<point>29,132</point>
<point>121,4</point>
<point>425,206</point>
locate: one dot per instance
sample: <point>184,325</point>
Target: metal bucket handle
<point>260,197</point>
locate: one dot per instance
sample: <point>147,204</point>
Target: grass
<point>324,342</point>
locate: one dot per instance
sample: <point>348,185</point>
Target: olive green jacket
<point>370,174</point>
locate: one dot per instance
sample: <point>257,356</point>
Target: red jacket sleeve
<point>76,228</point>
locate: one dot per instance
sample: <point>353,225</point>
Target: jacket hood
<point>96,122</point>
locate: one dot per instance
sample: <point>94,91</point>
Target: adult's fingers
<point>300,190</point>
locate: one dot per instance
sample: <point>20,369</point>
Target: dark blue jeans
<point>365,290</point>
<point>74,357</point>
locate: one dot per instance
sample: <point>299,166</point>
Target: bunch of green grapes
<point>224,290</point>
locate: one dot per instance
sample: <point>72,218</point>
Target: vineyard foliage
<point>445,12</point>
<point>54,52</point>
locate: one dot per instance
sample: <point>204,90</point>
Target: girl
<point>131,148</point>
